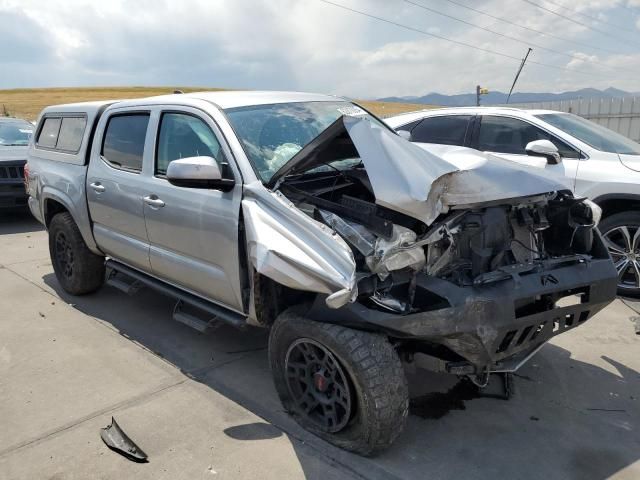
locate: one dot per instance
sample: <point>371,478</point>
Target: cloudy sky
<point>311,45</point>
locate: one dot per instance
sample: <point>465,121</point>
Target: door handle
<point>97,186</point>
<point>153,201</point>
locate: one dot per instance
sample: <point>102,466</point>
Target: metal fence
<point>621,115</point>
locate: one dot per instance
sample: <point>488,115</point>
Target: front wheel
<point>621,234</point>
<point>78,270</point>
<point>344,385</point>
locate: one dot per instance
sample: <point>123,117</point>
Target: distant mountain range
<point>497,98</point>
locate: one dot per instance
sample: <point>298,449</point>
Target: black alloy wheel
<point>318,385</point>
<point>64,255</point>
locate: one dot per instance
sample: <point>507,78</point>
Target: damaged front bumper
<point>494,325</point>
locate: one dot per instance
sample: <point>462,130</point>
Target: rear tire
<point>355,380</point>
<point>621,233</point>
<point>78,270</point>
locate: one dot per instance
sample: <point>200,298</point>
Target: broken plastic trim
<point>115,438</point>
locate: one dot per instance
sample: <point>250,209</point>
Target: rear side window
<point>408,127</point>
<point>49,133</point>
<point>123,143</point>
<point>62,133</point>
<point>445,130</point>
<point>71,133</point>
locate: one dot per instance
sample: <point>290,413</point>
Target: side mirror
<point>544,148</point>
<point>198,172</point>
<point>404,134</point>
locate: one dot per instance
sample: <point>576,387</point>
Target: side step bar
<point>195,318</point>
<point>123,283</point>
<point>138,279</point>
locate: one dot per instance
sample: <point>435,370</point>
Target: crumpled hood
<point>420,183</point>
<point>13,153</point>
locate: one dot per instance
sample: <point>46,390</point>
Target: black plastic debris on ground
<point>115,438</point>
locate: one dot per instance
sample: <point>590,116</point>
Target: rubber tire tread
<point>374,368</point>
<point>88,268</point>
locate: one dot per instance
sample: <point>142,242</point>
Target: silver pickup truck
<point>305,214</point>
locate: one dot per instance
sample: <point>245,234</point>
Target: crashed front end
<point>496,283</point>
<point>470,259</point>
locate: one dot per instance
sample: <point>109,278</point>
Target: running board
<point>138,279</point>
<point>204,322</point>
<point>123,283</point>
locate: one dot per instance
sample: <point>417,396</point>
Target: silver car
<point>305,214</point>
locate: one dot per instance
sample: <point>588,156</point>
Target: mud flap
<point>113,436</point>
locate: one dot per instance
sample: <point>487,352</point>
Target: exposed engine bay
<point>466,247</point>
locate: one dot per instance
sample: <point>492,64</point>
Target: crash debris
<point>115,438</point>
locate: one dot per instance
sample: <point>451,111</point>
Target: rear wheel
<point>78,270</point>
<point>621,234</point>
<point>344,385</point>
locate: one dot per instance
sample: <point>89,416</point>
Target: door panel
<point>114,192</point>
<point>194,239</point>
<point>193,236</point>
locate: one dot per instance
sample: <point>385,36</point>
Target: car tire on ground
<point>344,385</point>
<point>621,233</point>
<point>78,270</point>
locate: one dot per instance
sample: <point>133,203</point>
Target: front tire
<point>621,234</point>
<point>344,385</point>
<point>78,270</point>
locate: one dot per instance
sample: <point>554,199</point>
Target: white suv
<point>596,162</point>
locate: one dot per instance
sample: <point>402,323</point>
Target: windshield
<point>15,133</point>
<point>591,133</point>
<point>272,134</point>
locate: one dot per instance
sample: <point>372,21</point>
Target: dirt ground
<point>28,102</point>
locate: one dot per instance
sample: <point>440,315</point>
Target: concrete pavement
<point>204,406</point>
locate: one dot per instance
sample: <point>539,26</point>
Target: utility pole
<point>518,74</point>
<point>480,91</point>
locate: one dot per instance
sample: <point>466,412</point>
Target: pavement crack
<point>142,397</point>
<point>26,261</point>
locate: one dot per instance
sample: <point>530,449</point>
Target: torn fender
<point>294,250</point>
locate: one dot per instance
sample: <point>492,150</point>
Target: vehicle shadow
<point>18,221</point>
<point>568,419</point>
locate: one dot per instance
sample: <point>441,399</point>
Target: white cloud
<point>300,44</point>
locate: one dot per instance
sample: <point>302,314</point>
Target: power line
<point>457,42</point>
<point>577,22</point>
<point>524,42</point>
<point>539,32</point>
<point>626,7</point>
<point>595,19</point>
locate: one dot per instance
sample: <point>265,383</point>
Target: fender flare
<point>81,220</point>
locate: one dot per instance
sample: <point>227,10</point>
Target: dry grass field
<point>28,102</point>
